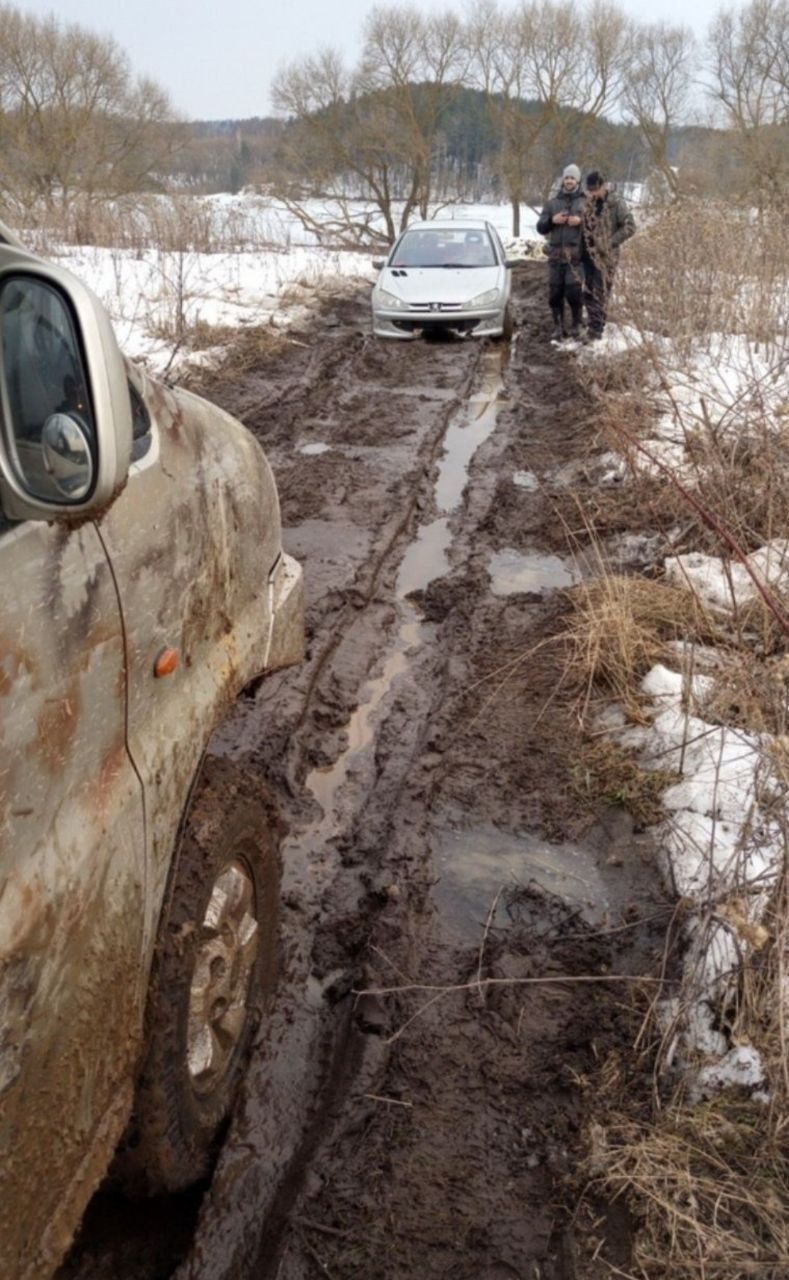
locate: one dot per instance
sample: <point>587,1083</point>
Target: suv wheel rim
<point>228,943</point>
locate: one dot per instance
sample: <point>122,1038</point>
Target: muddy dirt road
<point>426,759</point>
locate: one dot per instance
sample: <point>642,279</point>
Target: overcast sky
<point>217,60</point>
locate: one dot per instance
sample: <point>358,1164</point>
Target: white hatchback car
<point>448,274</point>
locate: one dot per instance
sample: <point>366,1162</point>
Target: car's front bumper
<point>481,322</point>
<point>286,641</point>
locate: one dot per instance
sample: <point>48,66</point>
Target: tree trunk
<point>516,216</point>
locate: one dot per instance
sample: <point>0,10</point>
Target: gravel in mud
<point>439,858</point>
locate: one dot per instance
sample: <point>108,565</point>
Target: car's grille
<point>435,306</point>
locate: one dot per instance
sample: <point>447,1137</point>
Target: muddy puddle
<point>479,872</point>
<point>516,572</point>
<point>313,450</point>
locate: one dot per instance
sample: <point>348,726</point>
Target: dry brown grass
<point>167,223</point>
<point>244,350</point>
<point>751,694</point>
<point>608,772</point>
<point>619,629</point>
<point>708,1186</point>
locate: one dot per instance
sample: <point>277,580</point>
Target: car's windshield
<point>450,247</point>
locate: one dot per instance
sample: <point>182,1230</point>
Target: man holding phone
<point>560,221</point>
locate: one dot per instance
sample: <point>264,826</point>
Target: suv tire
<point>214,970</point>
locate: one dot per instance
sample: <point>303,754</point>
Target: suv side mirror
<point>379,264</point>
<point>65,426</point>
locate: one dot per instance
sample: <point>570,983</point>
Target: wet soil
<point>459,926</point>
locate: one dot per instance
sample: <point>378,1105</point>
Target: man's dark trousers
<point>565,280</point>
<point>597,288</point>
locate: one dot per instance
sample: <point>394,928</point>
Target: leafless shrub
<point>139,223</point>
<point>703,269</point>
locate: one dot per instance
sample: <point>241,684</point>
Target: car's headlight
<point>485,299</point>
<point>390,300</point>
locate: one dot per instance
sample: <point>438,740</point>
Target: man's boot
<point>557,334</point>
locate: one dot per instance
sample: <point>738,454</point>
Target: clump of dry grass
<point>708,1186</point>
<point>619,629</point>
<point>244,350</point>
<point>608,772</point>
<point>751,695</point>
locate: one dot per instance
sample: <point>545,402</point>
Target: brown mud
<point>426,759</point>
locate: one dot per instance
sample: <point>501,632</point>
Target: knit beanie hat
<point>572,171</point>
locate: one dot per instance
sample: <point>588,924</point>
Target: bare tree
<point>335,146</point>
<point>657,89</point>
<point>72,117</point>
<point>749,80</point>
<point>415,62</point>
<point>374,131</point>
<point>502,45</point>
<point>549,71</point>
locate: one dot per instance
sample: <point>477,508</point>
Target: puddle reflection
<point>312,450</point>
<point>474,865</point>
<point>512,572</point>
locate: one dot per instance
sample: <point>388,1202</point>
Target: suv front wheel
<point>214,970</point>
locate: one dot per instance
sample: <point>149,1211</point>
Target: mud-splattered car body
<point>134,520</point>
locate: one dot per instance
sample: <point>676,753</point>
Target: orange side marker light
<point>166,663</point>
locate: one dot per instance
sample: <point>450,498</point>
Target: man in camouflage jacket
<point>606,223</point>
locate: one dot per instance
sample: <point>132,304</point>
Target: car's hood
<point>439,284</point>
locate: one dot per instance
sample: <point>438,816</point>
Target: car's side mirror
<point>65,426</point>
<point>379,264</point>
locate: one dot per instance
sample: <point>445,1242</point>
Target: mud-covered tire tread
<point>171,1139</point>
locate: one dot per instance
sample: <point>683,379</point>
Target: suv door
<point>72,849</point>
<point>192,540</point>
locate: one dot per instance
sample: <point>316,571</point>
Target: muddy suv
<point>142,588</point>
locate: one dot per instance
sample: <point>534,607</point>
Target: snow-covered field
<point>268,273</point>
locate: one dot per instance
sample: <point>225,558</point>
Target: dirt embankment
<point>428,761</point>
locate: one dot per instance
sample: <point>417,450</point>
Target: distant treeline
<point>228,155</point>
<point>437,107</point>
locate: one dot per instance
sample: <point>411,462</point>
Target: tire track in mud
<point>393,536</point>
<point>337,1045</point>
<point>408,1179</point>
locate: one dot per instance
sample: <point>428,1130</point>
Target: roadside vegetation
<point>682,675</point>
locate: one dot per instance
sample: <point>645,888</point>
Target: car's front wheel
<point>214,969</point>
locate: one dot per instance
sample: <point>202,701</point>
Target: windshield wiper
<point>454,266</point>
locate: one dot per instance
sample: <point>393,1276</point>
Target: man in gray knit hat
<point>560,221</point>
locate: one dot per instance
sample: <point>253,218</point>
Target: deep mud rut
<point>425,757</point>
